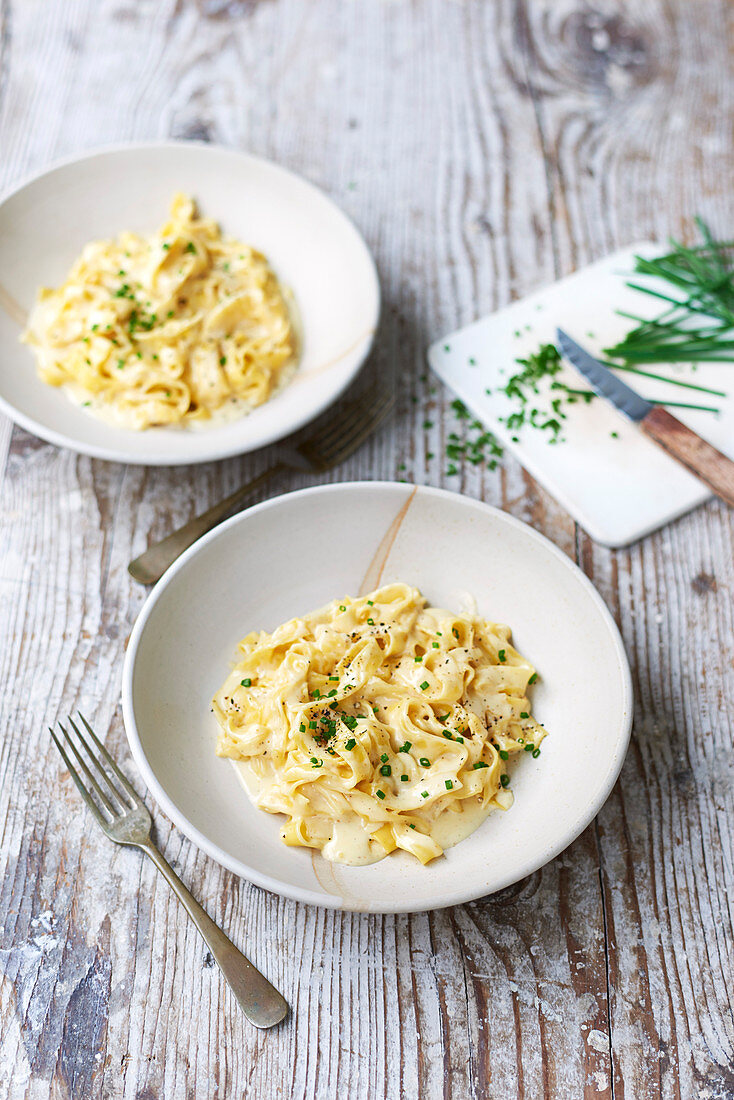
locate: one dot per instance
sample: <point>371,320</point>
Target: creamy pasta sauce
<point>185,328</point>
<point>378,723</point>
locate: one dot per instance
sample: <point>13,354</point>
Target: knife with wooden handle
<point>703,460</point>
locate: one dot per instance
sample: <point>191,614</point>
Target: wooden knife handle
<point>700,457</point>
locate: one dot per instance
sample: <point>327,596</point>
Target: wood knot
<point>610,51</point>
<point>225,9</point>
<point>195,131</point>
<point>703,583</point>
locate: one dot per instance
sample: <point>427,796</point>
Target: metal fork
<point>124,818</point>
<point>333,442</point>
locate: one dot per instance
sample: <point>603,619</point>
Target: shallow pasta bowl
<point>295,553</point>
<point>311,245</point>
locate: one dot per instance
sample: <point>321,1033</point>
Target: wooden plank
<point>483,149</point>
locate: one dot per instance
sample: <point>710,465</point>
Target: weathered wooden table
<point>483,148</point>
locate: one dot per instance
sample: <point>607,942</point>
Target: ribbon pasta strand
<point>186,327</point>
<point>378,723</point>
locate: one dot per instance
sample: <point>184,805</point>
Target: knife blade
<point>602,380</point>
<point>703,460</point>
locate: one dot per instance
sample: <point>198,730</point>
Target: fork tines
<point>102,790</point>
<point>353,421</point>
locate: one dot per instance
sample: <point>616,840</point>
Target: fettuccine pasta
<point>186,327</point>
<point>378,723</point>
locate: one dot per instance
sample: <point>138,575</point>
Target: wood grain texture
<point>483,148</point>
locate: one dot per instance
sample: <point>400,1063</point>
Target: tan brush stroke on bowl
<point>333,362</point>
<point>376,568</point>
<point>13,309</point>
<point>327,873</point>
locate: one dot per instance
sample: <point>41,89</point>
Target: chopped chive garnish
<point>190,247</point>
<point>449,784</point>
<point>246,682</point>
<point>535,753</point>
<point>533,678</point>
<point>334,679</point>
<point>385,770</point>
<point>302,727</point>
<point>342,607</point>
<point>315,763</point>
<point>380,794</point>
<point>425,762</point>
<point>417,659</point>
<point>436,645</point>
<point>480,764</point>
<point>384,757</point>
<point>406,747</point>
<point>371,603</point>
<point>424,685</point>
<point>410,825</point>
<point>370,622</point>
<point>504,780</point>
<point>501,655</point>
<point>312,725</point>
<point>350,744</point>
<point>403,779</point>
<point>524,714</point>
<point>424,794</point>
<point>529,747</point>
<point>504,754</point>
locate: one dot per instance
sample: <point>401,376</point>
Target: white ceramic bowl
<point>312,246</point>
<point>295,553</point>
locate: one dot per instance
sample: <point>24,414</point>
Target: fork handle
<point>152,564</point>
<point>260,1001</point>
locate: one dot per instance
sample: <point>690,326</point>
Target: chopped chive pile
<point>477,445</point>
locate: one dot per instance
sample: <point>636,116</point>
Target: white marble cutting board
<point>618,489</point>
